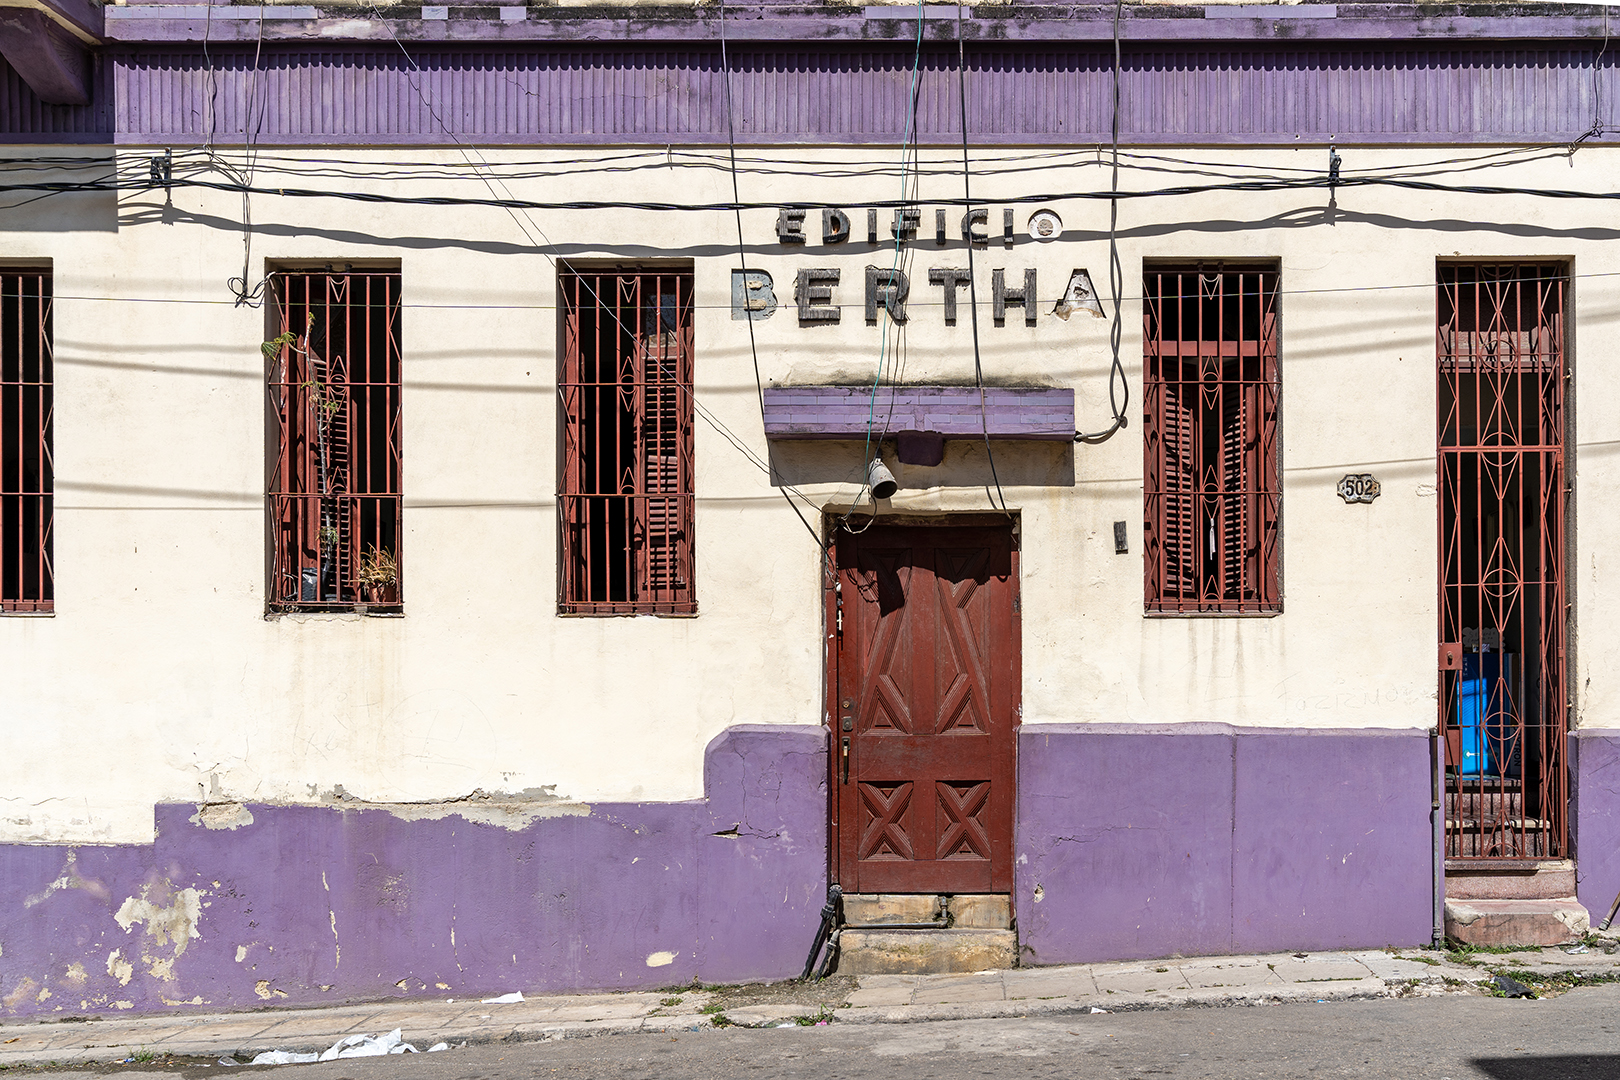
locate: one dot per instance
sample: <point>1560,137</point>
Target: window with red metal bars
<point>334,491</point>
<point>625,390</point>
<point>1212,496</point>
<point>27,475</point>
<point>1503,364</point>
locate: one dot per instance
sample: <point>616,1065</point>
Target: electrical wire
<point>1251,186</point>
<point>697,406</point>
<point>886,320</point>
<point>748,316</point>
<point>973,290</point>
<point>245,295</point>
<point>1116,270</point>
<point>822,168</point>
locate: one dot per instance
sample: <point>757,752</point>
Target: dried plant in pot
<point>377,576</point>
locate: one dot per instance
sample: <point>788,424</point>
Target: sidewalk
<point>872,999</point>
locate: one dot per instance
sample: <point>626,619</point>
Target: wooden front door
<point>924,682</point>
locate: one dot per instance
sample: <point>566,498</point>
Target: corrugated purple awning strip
<point>847,93</point>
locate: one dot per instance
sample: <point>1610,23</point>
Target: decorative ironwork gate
<point>1503,703</point>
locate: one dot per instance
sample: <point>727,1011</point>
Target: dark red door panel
<point>926,684</point>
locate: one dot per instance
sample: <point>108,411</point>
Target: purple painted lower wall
<point>1142,841</point>
<point>1595,813</point>
<point>319,904</point>
<point>1131,842</point>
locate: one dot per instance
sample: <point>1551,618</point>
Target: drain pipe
<point>829,916</point>
<point>1437,835</point>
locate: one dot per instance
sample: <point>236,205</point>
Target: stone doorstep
<point>1551,881</point>
<point>925,952</point>
<point>979,911</point>
<point>1516,922</point>
<point>867,909</point>
<point>985,911</point>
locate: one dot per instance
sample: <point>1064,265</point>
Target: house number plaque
<point>1359,488</point>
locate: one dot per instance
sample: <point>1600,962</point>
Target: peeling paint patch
<point>68,879</point>
<point>123,1004</point>
<point>22,992</point>
<point>262,988</point>
<point>661,959</point>
<point>76,974</point>
<point>241,953</point>
<point>175,921</point>
<point>222,815</point>
<point>161,969</point>
<point>44,992</point>
<point>198,1000</point>
<point>511,812</point>
<point>119,968</point>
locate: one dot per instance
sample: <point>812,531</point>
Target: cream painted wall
<point>160,678</point>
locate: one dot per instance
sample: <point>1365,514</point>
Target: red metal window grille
<point>1211,493</point>
<point>1503,706</point>
<point>27,473</point>
<point>625,389</point>
<point>334,491</point>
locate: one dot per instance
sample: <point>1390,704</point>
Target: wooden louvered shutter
<point>1238,503</point>
<point>662,526</point>
<point>1179,534</point>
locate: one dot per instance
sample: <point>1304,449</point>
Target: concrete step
<point>1553,921</point>
<point>925,952</point>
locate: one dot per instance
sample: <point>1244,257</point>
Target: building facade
<point>443,553</point>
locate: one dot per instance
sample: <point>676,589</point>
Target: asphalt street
<point>1454,1037</point>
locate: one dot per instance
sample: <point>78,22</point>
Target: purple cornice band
<point>956,412</point>
<point>767,20</point>
<point>1042,91</point>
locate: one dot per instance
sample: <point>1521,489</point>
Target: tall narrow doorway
<point>923,692</point>
<point>1502,365</point>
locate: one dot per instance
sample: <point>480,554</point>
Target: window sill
<point>335,614</point>
<point>627,614</point>
<point>1211,614</point>
<point>7,613</point>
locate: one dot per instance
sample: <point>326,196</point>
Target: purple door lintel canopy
<point>954,412</point>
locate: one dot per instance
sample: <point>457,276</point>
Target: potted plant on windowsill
<point>377,577</point>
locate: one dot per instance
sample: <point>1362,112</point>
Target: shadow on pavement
<point>1551,1067</point>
